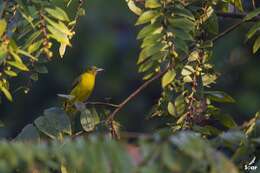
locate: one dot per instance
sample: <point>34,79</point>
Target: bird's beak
<point>99,70</point>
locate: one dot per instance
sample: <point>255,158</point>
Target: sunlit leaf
<point>134,8</point>
<point>3,25</point>
<point>57,13</point>
<point>152,4</point>
<point>168,78</point>
<point>147,16</point>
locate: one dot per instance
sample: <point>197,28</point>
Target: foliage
<point>177,46</point>
<point>28,30</point>
<point>183,152</point>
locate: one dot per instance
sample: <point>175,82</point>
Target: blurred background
<point>106,37</point>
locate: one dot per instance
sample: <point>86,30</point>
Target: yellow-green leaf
<point>3,25</point>
<point>19,65</point>
<point>62,49</point>
<point>256,45</point>
<point>6,93</point>
<point>58,13</point>
<point>252,14</point>
<point>168,78</point>
<point>147,16</point>
<point>152,4</point>
<point>135,9</point>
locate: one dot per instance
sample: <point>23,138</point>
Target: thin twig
<point>135,93</point>
<point>228,30</point>
<point>102,104</point>
<point>253,3</point>
<point>81,2</point>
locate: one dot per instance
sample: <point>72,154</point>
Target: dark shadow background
<point>106,37</point>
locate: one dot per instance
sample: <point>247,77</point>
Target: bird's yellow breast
<point>84,88</point>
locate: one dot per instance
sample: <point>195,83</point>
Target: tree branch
<point>135,93</point>
<point>102,104</point>
<point>228,30</point>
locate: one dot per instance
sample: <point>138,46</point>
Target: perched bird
<point>83,86</point>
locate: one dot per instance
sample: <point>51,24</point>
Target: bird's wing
<point>75,82</point>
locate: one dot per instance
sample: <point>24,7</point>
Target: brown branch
<point>228,30</point>
<point>253,3</point>
<point>76,18</point>
<point>135,93</point>
<point>102,104</point>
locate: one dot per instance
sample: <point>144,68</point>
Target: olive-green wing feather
<point>75,83</point>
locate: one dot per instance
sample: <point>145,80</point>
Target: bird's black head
<point>94,70</point>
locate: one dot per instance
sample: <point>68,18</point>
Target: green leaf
<point>182,35</point>
<point>187,79</point>
<point>3,53</point>
<point>54,123</point>
<point>58,35</point>
<point>256,45</point>
<point>62,49</point>
<point>171,109</point>
<point>238,4</point>
<point>6,92</point>
<point>89,120</point>
<point>27,54</point>
<point>59,26</point>
<point>10,73</point>
<point>147,30</point>
<point>28,133</point>
<point>212,24</point>
<point>208,79</point>
<point>190,143</point>
<point>181,45</point>
<point>183,12</point>
<point>225,119</point>
<point>169,159</point>
<point>41,69</point>
<point>219,163</point>
<point>57,13</point>
<point>168,78</point>
<point>253,30</point>
<point>18,65</point>
<point>149,51</point>
<point>35,46</point>
<point>147,16</point>
<point>146,66</point>
<point>187,70</point>
<point>181,23</point>
<point>219,96</point>
<point>252,14</point>
<point>34,76</point>
<point>194,56</point>
<point>206,130</point>
<point>3,25</point>
<point>151,40</point>
<point>231,139</point>
<point>152,4</point>
<point>131,5</point>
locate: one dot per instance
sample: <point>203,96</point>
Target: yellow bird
<point>83,86</point>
